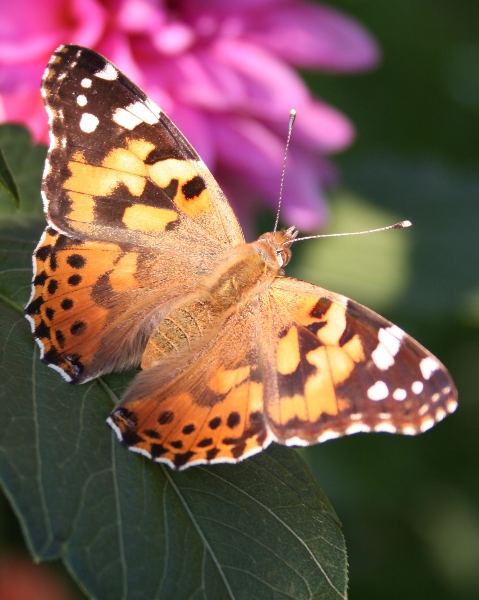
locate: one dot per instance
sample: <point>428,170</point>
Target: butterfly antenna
<point>292,117</point>
<point>399,225</point>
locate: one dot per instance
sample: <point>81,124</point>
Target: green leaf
<point>131,529</point>
<point>7,182</point>
<point>21,167</point>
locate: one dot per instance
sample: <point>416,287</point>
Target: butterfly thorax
<point>241,274</point>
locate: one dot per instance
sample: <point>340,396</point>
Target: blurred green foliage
<point>410,507</point>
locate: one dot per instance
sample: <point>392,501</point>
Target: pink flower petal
<point>314,36</point>
<point>322,127</point>
<point>197,129</point>
<point>25,108</point>
<point>247,148</point>
<point>89,22</point>
<point>139,16</point>
<point>250,148</point>
<point>270,88</point>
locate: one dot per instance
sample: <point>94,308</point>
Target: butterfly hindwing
<point>94,304</point>
<point>203,406</point>
<point>342,369</point>
<point>117,168</point>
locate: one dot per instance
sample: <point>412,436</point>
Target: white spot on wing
<point>357,428</point>
<point>356,416</point>
<point>108,72</point>
<point>399,394</point>
<point>115,428</point>
<point>428,365</point>
<point>426,424</point>
<point>141,451</point>
<point>385,427</point>
<point>58,369</point>
<point>81,100</point>
<point>417,387</point>
<point>86,82</point>
<point>156,110</point>
<point>144,112</point>
<point>451,405</point>
<point>381,358</point>
<point>296,441</point>
<point>389,344</point>
<point>378,391</point>
<point>329,434</point>
<point>126,119</point>
<point>440,414</point>
<point>88,122</point>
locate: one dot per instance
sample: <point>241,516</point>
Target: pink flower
<point>224,71</point>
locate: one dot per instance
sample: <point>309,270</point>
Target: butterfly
<point>144,262</point>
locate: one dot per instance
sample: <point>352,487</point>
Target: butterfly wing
<point>202,406</point>
<point>135,218</point>
<point>341,369</point>
<point>94,304</point>
<point>117,168</point>
<point>299,365</point>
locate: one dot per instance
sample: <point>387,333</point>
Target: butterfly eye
<point>283,257</point>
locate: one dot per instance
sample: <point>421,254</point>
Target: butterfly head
<point>280,242</point>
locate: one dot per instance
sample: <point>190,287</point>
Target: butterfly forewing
<point>117,168</point>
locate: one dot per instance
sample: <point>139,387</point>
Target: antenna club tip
<point>292,112</point>
<point>404,224</point>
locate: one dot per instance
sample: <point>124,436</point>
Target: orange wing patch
<point>67,309</point>
<point>311,363</point>
<point>223,423</point>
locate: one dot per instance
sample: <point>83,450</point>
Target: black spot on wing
<point>66,303</point>
<point>34,307</point>
<point>52,286</point>
<point>193,188</point>
<point>44,252</point>
<point>78,328</point>
<point>182,459</point>
<point>166,417</point>
<point>320,308</point>
<point>42,330</point>
<point>40,279</point>
<point>76,261</point>
<point>74,280</point>
<point>233,420</point>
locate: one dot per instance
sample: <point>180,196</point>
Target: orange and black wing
<point>342,369</point>
<point>117,168</point>
<point>202,406</point>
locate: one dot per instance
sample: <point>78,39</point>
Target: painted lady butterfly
<point>143,261</point>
